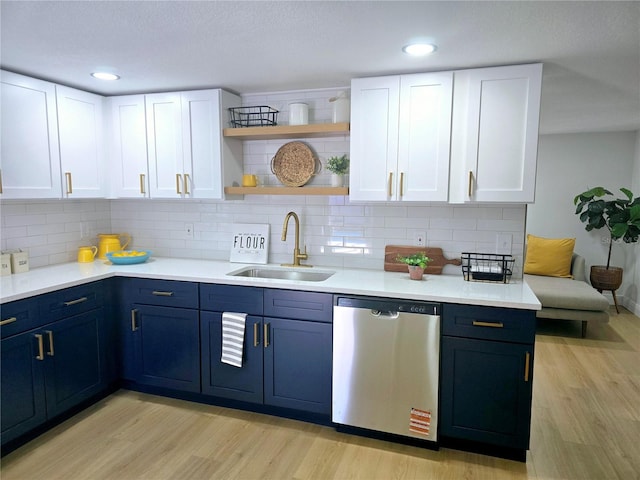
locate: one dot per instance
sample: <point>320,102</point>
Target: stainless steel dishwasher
<point>386,358</point>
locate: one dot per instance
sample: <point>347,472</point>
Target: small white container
<point>341,108</point>
<point>298,114</point>
<point>19,262</point>
<point>6,264</point>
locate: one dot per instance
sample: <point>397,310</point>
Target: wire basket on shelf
<point>257,116</point>
<point>487,267</point>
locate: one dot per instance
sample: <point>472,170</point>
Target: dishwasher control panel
<point>390,305</point>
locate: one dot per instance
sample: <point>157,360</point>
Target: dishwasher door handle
<point>378,313</point>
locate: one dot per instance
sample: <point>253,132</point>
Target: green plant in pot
<point>416,262</point>
<point>599,208</point>
<point>339,166</point>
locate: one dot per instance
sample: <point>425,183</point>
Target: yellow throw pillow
<point>549,256</point>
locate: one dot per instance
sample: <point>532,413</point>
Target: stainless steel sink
<point>301,275</point>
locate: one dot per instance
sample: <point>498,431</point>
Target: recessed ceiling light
<point>105,76</point>
<point>419,49</point>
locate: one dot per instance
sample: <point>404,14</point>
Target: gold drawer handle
<point>159,293</point>
<point>69,184</point>
<point>178,182</point>
<point>470,183</point>
<point>390,183</point>
<point>40,355</point>
<point>256,340</point>
<point>75,302</point>
<point>401,184</point>
<point>266,335</point>
<point>134,325</point>
<point>477,323</point>
<point>186,184</point>
<point>50,335</point>
<point>527,361</point>
<point>9,320</point>
<point>142,189</point>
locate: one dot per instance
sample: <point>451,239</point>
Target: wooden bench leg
<point>584,328</point>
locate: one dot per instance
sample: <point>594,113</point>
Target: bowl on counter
<point>128,257</point>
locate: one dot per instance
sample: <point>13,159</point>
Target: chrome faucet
<point>297,256</point>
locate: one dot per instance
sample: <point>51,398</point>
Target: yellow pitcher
<point>110,242</point>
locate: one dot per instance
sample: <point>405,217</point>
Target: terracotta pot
<point>415,272</point>
<point>603,278</point>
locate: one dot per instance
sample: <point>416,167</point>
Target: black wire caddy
<point>256,116</point>
<point>487,267</point>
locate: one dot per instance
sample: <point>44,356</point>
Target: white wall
<point>569,164</point>
<point>632,292</point>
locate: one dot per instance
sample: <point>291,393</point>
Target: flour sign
<point>249,243</point>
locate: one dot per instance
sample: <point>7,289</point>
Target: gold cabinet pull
<point>142,189</point>
<point>40,355</point>
<point>401,184</point>
<point>266,335</point>
<point>178,182</point>
<point>50,335</point>
<point>186,184</point>
<point>527,361</point>
<point>477,323</point>
<point>67,176</point>
<point>160,293</point>
<point>256,340</point>
<point>75,302</point>
<point>134,325</point>
<point>0,181</point>
<point>390,183</point>
<point>470,182</point>
<point>7,321</point>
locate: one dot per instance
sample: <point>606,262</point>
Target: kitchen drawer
<point>70,301</point>
<point>167,293</point>
<point>489,323</point>
<point>298,305</point>
<point>231,298</point>
<point>19,316</point>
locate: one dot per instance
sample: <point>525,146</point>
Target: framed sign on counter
<point>249,243</point>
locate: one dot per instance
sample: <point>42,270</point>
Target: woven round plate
<point>294,164</point>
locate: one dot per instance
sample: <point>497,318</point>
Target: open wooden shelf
<point>288,131</point>
<point>286,190</point>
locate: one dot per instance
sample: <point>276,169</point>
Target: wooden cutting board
<point>435,266</point>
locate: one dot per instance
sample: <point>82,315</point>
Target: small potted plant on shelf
<point>416,262</point>
<point>338,166</point>
<point>621,216</point>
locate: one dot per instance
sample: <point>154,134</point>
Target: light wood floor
<point>586,425</point>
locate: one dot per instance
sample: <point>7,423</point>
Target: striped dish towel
<point>232,337</point>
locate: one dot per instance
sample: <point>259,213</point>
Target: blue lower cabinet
<point>23,400</point>
<point>48,370</point>
<point>166,343</point>
<point>228,381</point>
<point>75,360</point>
<point>297,364</point>
<point>485,393</point>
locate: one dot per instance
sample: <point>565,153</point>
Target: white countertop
<point>437,288</point>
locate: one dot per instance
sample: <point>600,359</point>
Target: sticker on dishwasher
<point>420,421</point>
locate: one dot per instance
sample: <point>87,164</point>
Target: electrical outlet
<point>420,238</point>
<point>188,230</point>
<point>503,243</point>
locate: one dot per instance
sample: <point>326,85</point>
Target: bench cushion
<point>565,293</point>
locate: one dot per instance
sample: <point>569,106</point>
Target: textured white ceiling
<point>591,50</point>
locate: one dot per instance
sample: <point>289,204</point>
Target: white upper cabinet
<point>80,130</point>
<point>30,158</point>
<point>188,157</point>
<point>400,137</point>
<point>128,147</point>
<point>495,134</point>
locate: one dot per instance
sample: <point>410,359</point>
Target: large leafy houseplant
<point>599,208</point>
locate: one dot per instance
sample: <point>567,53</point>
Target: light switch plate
<point>503,243</point>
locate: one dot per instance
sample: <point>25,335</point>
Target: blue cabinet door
<point>22,388</point>
<point>167,347</point>
<point>75,360</point>
<point>297,365</point>
<point>485,391</point>
<point>227,381</point>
